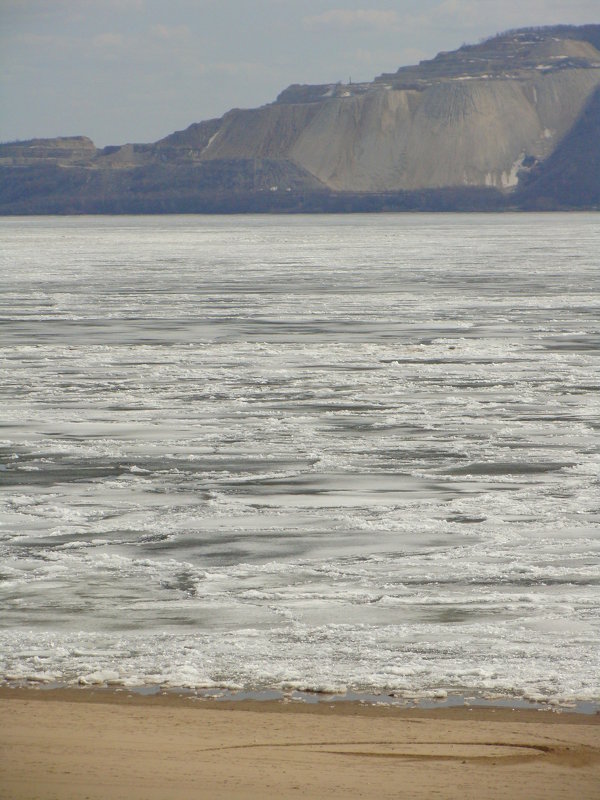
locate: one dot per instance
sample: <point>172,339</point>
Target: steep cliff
<point>493,116</point>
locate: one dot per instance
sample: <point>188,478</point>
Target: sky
<point>136,70</point>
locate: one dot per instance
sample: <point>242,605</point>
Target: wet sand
<point>105,745</point>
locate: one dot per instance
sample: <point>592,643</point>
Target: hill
<point>510,122</point>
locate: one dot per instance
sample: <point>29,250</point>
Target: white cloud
<point>108,40</point>
<point>361,18</point>
<point>169,32</point>
<point>34,8</point>
<point>517,13</point>
<point>236,68</point>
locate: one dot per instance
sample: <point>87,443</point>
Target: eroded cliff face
<point>475,117</point>
<point>484,116</point>
<point>476,132</point>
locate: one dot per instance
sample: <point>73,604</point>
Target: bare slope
<point>479,118</point>
<point>462,132</point>
<point>467,118</point>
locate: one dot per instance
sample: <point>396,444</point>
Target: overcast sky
<point>135,70</point>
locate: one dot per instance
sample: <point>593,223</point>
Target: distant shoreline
<point>301,211</point>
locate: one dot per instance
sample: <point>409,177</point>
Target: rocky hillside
<point>512,121</point>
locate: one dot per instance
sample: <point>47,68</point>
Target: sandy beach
<point>107,744</point>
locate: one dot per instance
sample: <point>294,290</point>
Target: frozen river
<point>324,453</point>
